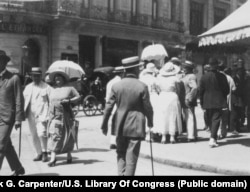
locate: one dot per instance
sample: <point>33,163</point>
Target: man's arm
<point>19,101</point>
<point>148,109</point>
<point>107,111</point>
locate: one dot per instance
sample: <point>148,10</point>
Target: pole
<point>20,139</point>
<point>151,152</point>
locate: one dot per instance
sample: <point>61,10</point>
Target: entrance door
<point>87,51</point>
<point>31,56</point>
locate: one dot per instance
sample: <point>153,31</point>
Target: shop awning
<point>234,29</point>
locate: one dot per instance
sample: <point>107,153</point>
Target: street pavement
<point>232,157</point>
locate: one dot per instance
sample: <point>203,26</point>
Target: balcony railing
<point>75,8</point>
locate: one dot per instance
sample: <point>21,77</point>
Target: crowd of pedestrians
<point>142,102</point>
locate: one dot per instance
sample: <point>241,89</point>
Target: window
<point>173,10</point>
<point>155,9</point>
<point>111,6</point>
<point>86,3</point>
<point>219,15</point>
<point>196,18</point>
<point>134,7</point>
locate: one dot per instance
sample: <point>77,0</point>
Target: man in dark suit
<point>11,113</point>
<point>132,99</point>
<point>214,89</point>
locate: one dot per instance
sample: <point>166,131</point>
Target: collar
<point>3,72</point>
<point>131,75</point>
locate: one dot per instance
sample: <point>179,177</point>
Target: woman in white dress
<point>148,76</point>
<point>169,109</point>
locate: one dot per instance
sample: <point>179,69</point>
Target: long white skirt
<point>168,114</point>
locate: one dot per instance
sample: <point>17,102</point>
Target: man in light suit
<point>133,104</point>
<point>37,111</point>
<point>11,113</point>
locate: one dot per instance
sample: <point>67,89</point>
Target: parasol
<point>72,69</point>
<point>154,52</point>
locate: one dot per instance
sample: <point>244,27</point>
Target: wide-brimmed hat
<point>36,71</point>
<point>4,57</point>
<point>188,64</point>
<point>119,69</point>
<point>56,72</point>
<point>169,69</point>
<point>175,60</point>
<point>131,62</point>
<point>150,68</point>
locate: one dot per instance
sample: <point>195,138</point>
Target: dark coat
<point>133,104</point>
<point>214,89</point>
<point>11,98</point>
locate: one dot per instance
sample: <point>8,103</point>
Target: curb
<point>196,166</point>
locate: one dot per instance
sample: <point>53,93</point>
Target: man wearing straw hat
<point>132,99</point>
<point>36,106</point>
<point>11,113</point>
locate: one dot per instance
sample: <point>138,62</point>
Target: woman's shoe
<point>69,161</point>
<point>52,163</point>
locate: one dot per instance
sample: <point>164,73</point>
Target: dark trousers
<point>127,155</point>
<point>248,117</point>
<point>6,148</point>
<point>235,118</point>
<point>213,120</point>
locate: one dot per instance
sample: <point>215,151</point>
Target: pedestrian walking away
<point>11,113</point>
<point>36,96</point>
<point>133,107</point>
<point>214,89</point>
<point>118,72</point>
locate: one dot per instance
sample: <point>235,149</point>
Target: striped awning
<point>234,28</point>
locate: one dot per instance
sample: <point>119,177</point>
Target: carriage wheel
<point>90,105</point>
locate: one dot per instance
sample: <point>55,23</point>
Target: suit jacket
<point>41,103</point>
<point>133,104</point>
<point>214,89</point>
<point>11,98</point>
<point>191,90</point>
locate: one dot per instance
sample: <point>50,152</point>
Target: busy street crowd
<point>142,101</point>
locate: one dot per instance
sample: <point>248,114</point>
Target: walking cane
<point>20,139</point>
<point>151,151</point>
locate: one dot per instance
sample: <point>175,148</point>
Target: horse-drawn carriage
<point>93,91</point>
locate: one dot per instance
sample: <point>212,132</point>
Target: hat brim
<point>131,66</point>
<point>6,58</point>
<point>35,73</point>
<point>54,73</point>
<point>171,73</point>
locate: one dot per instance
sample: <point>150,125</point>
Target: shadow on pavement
<point>91,150</point>
<point>43,174</point>
<point>244,142</point>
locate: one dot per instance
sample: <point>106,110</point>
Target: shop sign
<point>23,28</point>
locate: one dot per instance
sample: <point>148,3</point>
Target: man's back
<point>132,99</point>
<point>214,89</point>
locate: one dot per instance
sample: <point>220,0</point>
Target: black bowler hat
<point>4,57</point>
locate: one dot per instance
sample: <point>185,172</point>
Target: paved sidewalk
<point>232,157</point>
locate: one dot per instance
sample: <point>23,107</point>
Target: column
<point>186,15</point>
<point>98,52</point>
<point>210,14</point>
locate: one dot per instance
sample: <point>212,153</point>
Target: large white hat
<point>131,62</point>
<point>169,69</point>
<point>60,72</point>
<point>150,68</point>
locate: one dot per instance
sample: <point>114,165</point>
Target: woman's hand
<point>65,101</point>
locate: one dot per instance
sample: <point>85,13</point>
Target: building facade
<point>102,32</point>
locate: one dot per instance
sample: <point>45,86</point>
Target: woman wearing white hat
<point>169,109</point>
<point>60,138</point>
<point>148,76</point>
